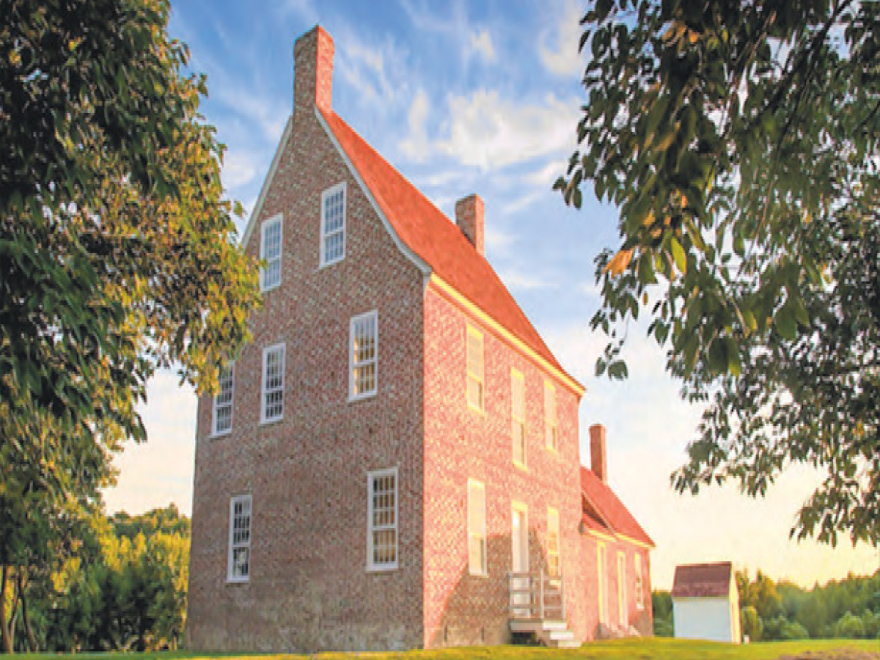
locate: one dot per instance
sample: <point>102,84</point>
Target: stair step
<point>561,635</point>
<point>568,644</point>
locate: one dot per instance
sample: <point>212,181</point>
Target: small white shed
<point>705,602</point>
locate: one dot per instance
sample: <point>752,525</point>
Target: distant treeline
<point>116,583</point>
<point>769,610</point>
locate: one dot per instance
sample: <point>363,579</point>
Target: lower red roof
<point>603,510</point>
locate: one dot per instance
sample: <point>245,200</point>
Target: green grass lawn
<point>637,649</point>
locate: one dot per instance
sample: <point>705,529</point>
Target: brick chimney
<point>313,70</point>
<point>469,218</point>
<point>598,460</point>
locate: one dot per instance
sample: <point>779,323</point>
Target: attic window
<point>270,252</point>
<point>333,224</point>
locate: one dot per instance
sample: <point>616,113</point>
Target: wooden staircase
<point>537,609</point>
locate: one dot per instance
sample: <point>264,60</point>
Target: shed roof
<point>702,580</point>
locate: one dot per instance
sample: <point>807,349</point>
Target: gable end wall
<point>309,588</point>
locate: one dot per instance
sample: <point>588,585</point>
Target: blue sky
<point>476,97</point>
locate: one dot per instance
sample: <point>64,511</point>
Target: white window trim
<point>214,432</point>
<point>390,566</point>
<point>480,570</point>
<point>551,421</point>
<point>622,608</point>
<point>274,220</point>
<point>553,512</point>
<point>351,365</point>
<point>324,195</point>
<point>472,331</point>
<point>640,582</point>
<point>602,578</point>
<point>516,375</point>
<point>266,351</point>
<point>232,502</point>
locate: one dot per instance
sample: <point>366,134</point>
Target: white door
<point>520,560</point>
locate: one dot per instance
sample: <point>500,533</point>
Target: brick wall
<point>461,443</point>
<point>309,588</point>
<point>639,618</point>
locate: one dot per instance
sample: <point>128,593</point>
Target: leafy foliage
<point>116,248</point>
<point>117,591</point>
<point>664,620</point>
<point>848,608</point>
<point>739,142</point>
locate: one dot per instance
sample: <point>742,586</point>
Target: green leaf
<point>678,254</point>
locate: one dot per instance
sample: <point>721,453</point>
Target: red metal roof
<point>702,580</point>
<point>437,240</point>
<point>603,510</point>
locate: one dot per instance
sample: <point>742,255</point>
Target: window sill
<point>520,466</point>
<point>473,408</point>
<point>361,397</point>
<point>222,434</point>
<point>481,574</point>
<point>326,264</point>
<point>271,422</point>
<point>237,580</point>
<point>382,569</point>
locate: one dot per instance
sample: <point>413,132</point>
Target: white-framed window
<point>621,589</point>
<point>239,539</point>
<point>333,224</point>
<point>640,585</point>
<point>475,368</point>
<point>602,581</point>
<point>222,423</point>
<point>518,416</point>
<point>272,408</point>
<point>476,527</point>
<point>363,350</point>
<point>382,520</point>
<point>554,567</point>
<point>270,252</point>
<point>551,424</point>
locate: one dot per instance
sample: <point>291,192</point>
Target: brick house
<point>393,461</point>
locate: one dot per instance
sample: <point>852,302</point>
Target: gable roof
<point>605,513</point>
<point>702,580</point>
<point>435,239</point>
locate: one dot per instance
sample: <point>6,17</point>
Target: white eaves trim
<point>420,263</point>
<point>258,207</point>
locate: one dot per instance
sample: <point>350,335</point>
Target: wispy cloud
<point>377,70</point>
<point>417,145</point>
<point>520,280</point>
<point>481,43</point>
<point>558,47</point>
<point>489,132</point>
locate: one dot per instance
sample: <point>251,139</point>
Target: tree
<point>117,251</point>
<point>738,141</point>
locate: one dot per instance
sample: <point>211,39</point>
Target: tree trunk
<point>5,639</point>
<point>31,640</point>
